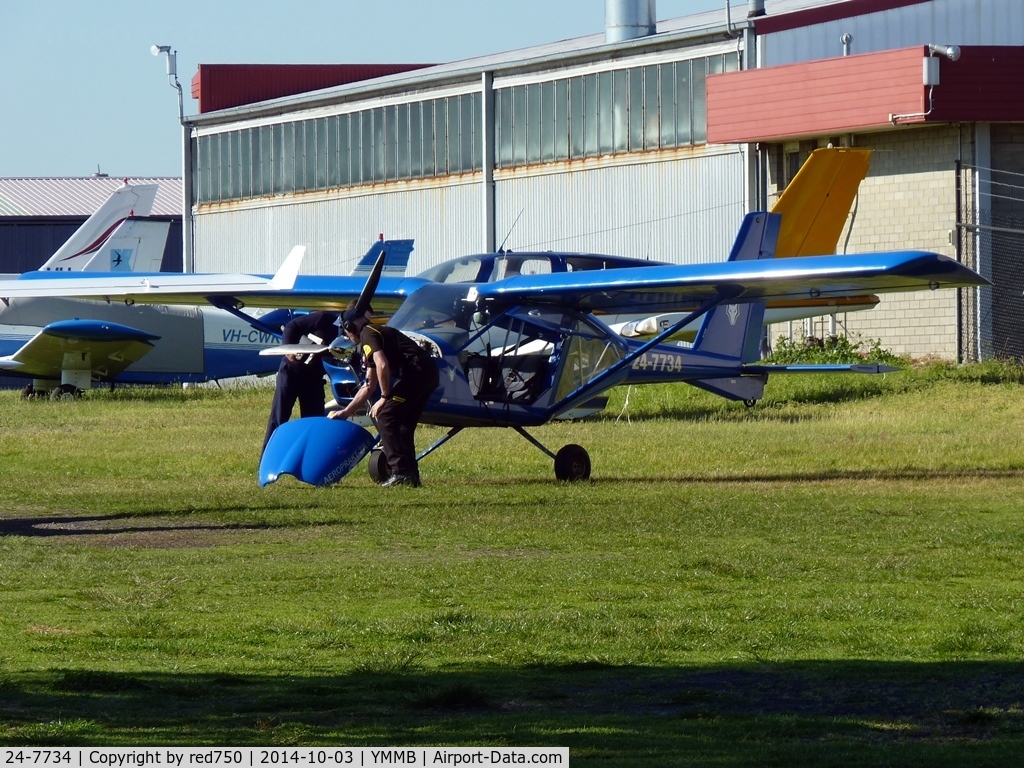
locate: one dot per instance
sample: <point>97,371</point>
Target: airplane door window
<point>585,353</point>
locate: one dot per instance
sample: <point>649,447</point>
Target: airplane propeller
<point>366,295</point>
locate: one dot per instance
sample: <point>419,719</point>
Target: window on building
<point>635,109</point>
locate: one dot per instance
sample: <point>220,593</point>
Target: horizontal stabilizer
<point>103,349</point>
<point>871,368</point>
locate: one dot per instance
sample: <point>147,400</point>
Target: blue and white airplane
<point>66,345</point>
<point>519,351</point>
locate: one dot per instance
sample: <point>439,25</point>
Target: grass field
<point>831,578</point>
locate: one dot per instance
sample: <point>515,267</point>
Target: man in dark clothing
<point>406,376</point>
<point>301,377</point>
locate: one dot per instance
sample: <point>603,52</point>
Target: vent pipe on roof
<point>628,20</point>
<point>755,8</point>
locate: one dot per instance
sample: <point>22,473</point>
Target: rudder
<point>734,329</point>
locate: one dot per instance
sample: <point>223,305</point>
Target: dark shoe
<point>410,480</point>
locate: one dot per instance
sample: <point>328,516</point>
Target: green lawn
<point>832,578</point>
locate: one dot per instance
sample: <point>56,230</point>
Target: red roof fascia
<point>222,86</point>
<point>856,93</point>
<point>815,98</point>
<point>765,25</point>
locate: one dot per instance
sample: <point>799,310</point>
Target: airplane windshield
<point>489,268</point>
<point>492,267</point>
<point>466,270</point>
<point>433,307</point>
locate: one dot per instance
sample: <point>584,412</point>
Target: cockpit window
<point>435,306</point>
<point>456,271</point>
<point>512,265</point>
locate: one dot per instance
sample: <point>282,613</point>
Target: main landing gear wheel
<point>378,466</point>
<point>65,392</point>
<point>572,463</point>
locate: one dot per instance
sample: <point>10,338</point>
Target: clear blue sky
<point>81,88</point>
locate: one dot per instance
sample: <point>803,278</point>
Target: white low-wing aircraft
<point>63,345</point>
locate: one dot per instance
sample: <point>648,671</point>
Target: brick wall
<point>908,201</point>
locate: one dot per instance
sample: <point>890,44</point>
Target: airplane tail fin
<point>815,205</point>
<point>733,330</point>
<point>397,259</point>
<point>137,245</point>
<point>93,238</point>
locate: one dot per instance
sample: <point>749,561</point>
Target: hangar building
<point>649,139</point>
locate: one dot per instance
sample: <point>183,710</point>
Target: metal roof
<point>705,26</point>
<point>79,197</point>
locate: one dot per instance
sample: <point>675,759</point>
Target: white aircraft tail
<point>90,249</point>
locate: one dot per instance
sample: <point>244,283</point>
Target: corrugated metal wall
<point>682,210</point>
<point>948,22</point>
<point>445,222</point>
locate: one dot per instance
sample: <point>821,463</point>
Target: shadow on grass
<point>831,713</point>
<point>821,476</point>
<point>830,475</point>
<point>147,528</point>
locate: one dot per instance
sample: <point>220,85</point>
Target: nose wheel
<point>572,463</point>
<point>378,466</point>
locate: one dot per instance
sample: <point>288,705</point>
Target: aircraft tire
<point>28,393</point>
<point>572,463</point>
<point>378,466</point>
<point>65,392</point>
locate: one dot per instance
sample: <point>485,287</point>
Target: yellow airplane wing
<point>817,201</point>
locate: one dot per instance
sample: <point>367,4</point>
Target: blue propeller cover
<point>316,450</point>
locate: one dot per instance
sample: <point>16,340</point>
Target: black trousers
<point>307,390</point>
<point>397,418</point>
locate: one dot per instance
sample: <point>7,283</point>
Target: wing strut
<point>597,384</point>
<point>230,306</point>
<point>439,442</point>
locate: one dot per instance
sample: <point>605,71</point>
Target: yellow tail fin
<point>817,201</point>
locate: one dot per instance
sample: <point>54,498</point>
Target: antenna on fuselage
<point>502,248</point>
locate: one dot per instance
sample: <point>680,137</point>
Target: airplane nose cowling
<point>318,450</point>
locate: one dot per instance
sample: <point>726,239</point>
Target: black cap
<point>351,315</point>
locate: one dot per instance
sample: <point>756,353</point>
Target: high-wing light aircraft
<point>517,352</point>
<point>65,345</point>
<point>814,208</point>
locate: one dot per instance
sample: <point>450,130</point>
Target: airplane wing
<point>285,290</point>
<point>104,347</point>
<point>669,288</point>
<point>307,291</point>
<point>675,287</point>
